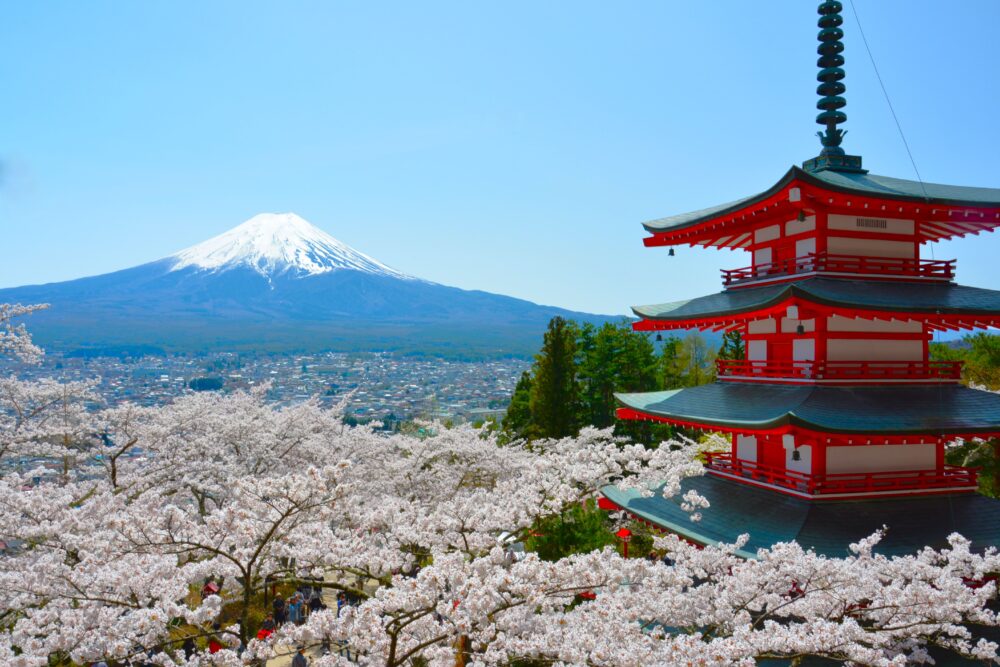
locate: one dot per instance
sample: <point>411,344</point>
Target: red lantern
<point>624,535</point>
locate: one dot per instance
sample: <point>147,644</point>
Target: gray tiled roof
<point>891,409</point>
<point>827,527</point>
<point>862,184</point>
<point>946,298</point>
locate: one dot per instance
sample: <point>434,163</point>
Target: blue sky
<point>513,147</point>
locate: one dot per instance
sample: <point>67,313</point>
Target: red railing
<point>838,371</point>
<point>949,477</point>
<point>884,267</point>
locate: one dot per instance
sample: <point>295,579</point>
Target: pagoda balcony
<point>844,485</point>
<point>839,372</point>
<point>880,268</point>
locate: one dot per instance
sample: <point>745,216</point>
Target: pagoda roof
<point>938,298</point>
<point>851,183</point>
<point>826,527</point>
<point>868,410</point>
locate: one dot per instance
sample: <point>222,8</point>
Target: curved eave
<point>890,410</point>
<point>829,528</point>
<point>882,188</point>
<point>939,301</point>
<point>684,221</point>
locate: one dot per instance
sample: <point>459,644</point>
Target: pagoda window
<point>804,349</point>
<point>805,247</point>
<point>767,326</point>
<point>757,350</point>
<point>746,447</point>
<point>765,234</point>
<point>863,236</point>
<point>762,256</point>
<point>870,225</point>
<point>862,247</point>
<point>881,458</point>
<point>839,323</point>
<point>762,326</point>
<point>881,349</point>
<point>793,227</point>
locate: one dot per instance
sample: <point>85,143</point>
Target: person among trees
<point>266,628</point>
<point>316,600</point>
<point>280,610</point>
<point>341,601</point>
<point>295,614</point>
<point>300,658</point>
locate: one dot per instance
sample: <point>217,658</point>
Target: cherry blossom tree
<point>106,559</point>
<point>15,341</point>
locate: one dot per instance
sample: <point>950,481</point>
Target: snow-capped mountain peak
<point>272,243</point>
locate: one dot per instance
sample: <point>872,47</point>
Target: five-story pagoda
<point>837,398</point>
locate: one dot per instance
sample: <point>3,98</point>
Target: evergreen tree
<point>554,390</point>
<point>598,366</point>
<point>518,417</point>
<point>696,360</point>
<point>670,371</point>
<point>733,346</point>
<point>981,354</point>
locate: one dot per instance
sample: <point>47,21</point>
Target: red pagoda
<point>837,399</point>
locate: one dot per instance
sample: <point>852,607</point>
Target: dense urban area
<point>378,386</point>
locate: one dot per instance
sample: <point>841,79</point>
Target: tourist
<point>266,628</point>
<point>300,659</point>
<point>316,601</point>
<point>341,601</point>
<point>280,611</point>
<point>295,609</point>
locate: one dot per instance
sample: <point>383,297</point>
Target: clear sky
<point>507,146</point>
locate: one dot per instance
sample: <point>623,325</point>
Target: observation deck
<point>947,479</point>
<point>847,266</point>
<point>839,372</point>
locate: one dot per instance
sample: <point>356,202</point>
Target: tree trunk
<point>245,612</point>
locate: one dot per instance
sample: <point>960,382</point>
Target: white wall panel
<point>881,458</point>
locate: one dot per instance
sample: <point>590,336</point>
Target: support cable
<point>888,101</point>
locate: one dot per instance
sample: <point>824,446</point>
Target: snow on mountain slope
<point>273,243</point>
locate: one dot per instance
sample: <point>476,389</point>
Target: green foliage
<point>581,529</point>
<point>981,354</point>
<point>614,358</point>
<point>697,361</point>
<point>982,455</point>
<point>518,417</point>
<point>641,543</point>
<point>580,368</point>
<point>554,390</point>
<point>733,346</point>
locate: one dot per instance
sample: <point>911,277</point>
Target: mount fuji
<point>278,283</point>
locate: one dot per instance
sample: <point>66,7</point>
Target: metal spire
<point>831,76</point>
<point>831,89</point>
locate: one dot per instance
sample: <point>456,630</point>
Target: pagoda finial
<point>831,76</point>
<point>831,89</point>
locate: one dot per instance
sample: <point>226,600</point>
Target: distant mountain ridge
<point>278,283</point>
